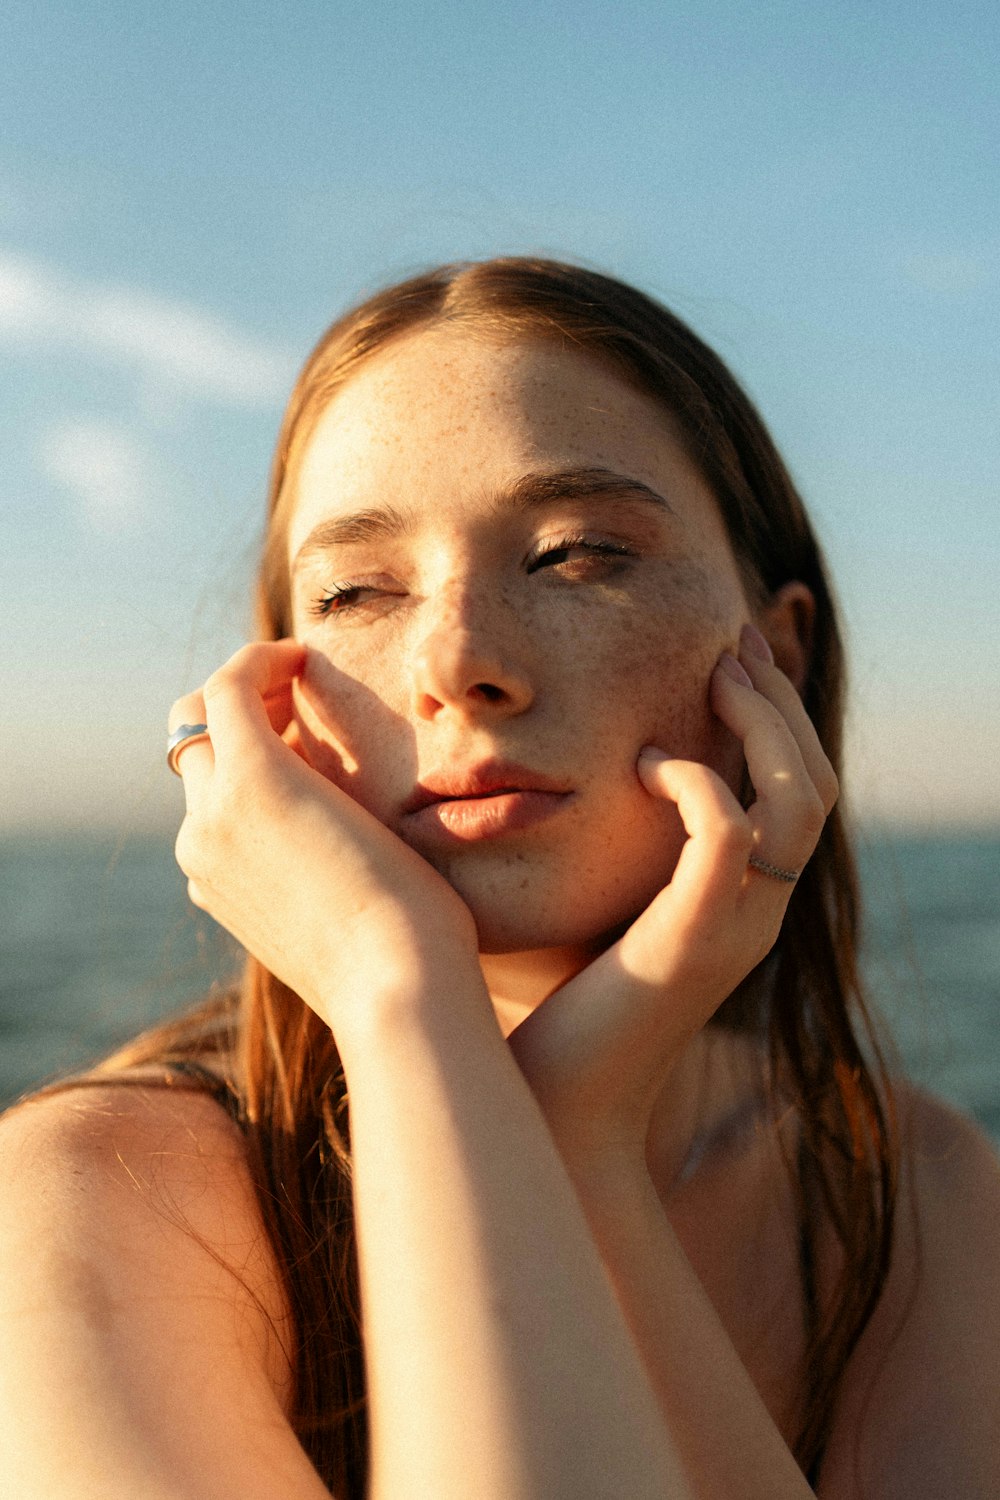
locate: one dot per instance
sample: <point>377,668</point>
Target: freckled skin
<point>462,647</point>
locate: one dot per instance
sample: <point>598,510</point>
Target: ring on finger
<point>183,735</point>
<point>774,871</point>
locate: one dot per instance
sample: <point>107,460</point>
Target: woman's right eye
<point>341,598</point>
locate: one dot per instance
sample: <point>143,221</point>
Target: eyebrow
<point>530,492</point>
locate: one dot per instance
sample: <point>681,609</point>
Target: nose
<point>469,661</point>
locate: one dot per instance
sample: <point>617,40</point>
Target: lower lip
<point>468,818</point>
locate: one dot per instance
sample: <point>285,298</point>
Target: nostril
<point>489,691</point>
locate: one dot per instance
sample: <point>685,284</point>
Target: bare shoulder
<point>919,1415</point>
<point>142,1322</point>
<point>129,1167</point>
<point>938,1131</point>
<point>101,1123</point>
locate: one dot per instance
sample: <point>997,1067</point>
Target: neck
<point>519,982</point>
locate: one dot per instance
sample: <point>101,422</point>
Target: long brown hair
<point>805,1003</point>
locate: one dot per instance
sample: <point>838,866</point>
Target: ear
<point>786,623</point>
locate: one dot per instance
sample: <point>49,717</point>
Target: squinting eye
<point>586,551</point>
<point>342,597</point>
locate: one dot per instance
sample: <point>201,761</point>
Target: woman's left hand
<point>597,1052</point>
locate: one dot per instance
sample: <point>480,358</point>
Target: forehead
<point>446,415</point>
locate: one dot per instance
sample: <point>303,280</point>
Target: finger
<point>188,709</point>
<point>191,709</point>
<point>280,707</point>
<point>659,943</point>
<point>788,814</point>
<point>718,833</point>
<point>193,759</point>
<point>711,867</point>
<point>772,683</point>
<point>250,695</point>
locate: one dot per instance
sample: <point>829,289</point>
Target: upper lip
<point>487,779</point>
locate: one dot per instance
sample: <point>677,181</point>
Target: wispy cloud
<point>174,346</point>
<point>105,470</point>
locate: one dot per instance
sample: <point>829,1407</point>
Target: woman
<point>548,1057</point>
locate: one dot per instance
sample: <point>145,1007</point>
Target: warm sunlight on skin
<point>465,616</point>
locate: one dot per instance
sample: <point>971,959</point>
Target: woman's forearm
<point>727,1440</point>
<point>499,1362</point>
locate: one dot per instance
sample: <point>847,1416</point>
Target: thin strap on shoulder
<point>210,1082</point>
<point>165,1072</point>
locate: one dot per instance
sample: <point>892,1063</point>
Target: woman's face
<point>511,578</point>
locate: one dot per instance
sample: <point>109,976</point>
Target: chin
<point>543,913</point>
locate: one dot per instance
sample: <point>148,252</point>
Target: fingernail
<point>732,669</point>
<point>754,643</point>
<point>651,755</point>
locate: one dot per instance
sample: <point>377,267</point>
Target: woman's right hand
<point>315,887</point>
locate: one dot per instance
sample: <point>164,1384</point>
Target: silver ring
<point>791,876</point>
<point>182,736</point>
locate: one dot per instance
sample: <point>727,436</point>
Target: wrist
<point>414,1004</point>
<point>605,1169</point>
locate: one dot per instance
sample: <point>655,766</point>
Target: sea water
<point>98,939</point>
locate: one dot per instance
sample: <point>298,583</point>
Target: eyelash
<point>326,604</point>
<point>603,549</point>
<point>333,600</point>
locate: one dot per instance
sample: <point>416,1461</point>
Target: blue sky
<point>189,194</point>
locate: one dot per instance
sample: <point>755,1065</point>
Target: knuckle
<point>772,716</point>
<point>828,787</point>
<point>215,684</point>
<point>768,937</point>
<point>183,709</point>
<point>200,841</point>
<point>248,661</point>
<point>196,895</point>
<point>184,847</point>
<point>252,658</point>
<point>247,656</point>
<point>810,812</point>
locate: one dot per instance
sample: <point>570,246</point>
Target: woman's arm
<point>499,1362</point>
<point>726,1437</point>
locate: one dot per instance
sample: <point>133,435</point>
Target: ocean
<point>98,939</point>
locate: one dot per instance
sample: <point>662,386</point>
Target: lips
<point>489,779</point>
<point>486,800</point>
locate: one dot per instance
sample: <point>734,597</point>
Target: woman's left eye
<point>580,554</point>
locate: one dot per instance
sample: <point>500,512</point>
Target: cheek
<point>651,668</point>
